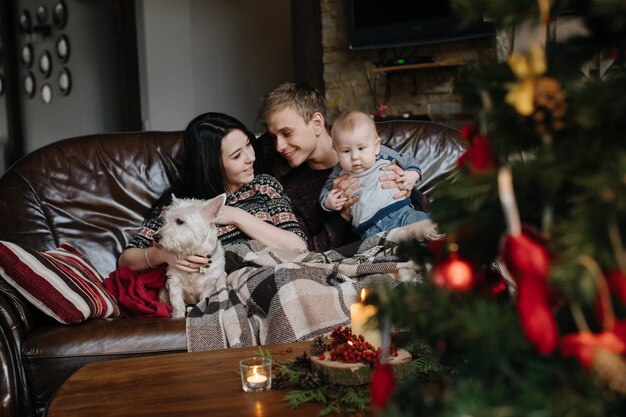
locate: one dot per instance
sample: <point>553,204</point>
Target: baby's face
<point>357,149</point>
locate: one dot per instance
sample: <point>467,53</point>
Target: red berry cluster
<point>347,347</point>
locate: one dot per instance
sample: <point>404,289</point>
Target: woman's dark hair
<point>202,170</point>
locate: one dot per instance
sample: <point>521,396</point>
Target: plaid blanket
<point>273,296</point>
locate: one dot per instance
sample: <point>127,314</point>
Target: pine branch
<point>298,397</point>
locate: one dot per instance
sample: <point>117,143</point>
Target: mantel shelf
<point>436,64</point>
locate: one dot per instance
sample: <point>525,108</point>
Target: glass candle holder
<point>256,374</point>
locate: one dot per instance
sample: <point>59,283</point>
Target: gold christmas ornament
<point>527,69</point>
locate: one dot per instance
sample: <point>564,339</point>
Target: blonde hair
<point>349,120</point>
<point>305,99</point>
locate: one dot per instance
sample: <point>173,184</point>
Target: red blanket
<point>137,292</point>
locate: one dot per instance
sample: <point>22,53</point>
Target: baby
<point>361,156</point>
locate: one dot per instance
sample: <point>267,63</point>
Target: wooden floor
<point>183,384</point>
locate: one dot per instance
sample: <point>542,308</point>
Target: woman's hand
<point>191,263</point>
<point>259,230</point>
<point>230,215</point>
<point>139,259</point>
<point>399,178</point>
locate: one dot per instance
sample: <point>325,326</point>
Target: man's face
<point>294,139</point>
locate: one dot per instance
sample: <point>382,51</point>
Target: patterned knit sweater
<point>263,197</point>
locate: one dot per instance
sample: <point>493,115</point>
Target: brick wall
<point>350,82</point>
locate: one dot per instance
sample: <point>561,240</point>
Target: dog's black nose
<point>156,237</point>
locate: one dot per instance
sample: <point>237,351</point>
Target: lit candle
<point>256,374</point>
<point>360,315</point>
<point>256,380</point>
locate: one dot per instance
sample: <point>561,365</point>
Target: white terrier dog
<point>189,229</point>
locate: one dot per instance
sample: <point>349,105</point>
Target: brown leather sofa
<point>93,192</point>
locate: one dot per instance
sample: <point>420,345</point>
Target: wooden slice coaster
<point>342,373</point>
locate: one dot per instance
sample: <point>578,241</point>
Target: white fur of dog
<point>189,229</point>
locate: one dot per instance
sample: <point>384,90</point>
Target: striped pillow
<point>62,282</point>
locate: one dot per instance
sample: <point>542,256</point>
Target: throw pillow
<point>62,282</point>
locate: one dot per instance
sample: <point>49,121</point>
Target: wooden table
<point>182,384</point>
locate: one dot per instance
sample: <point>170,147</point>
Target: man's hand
<point>398,178</point>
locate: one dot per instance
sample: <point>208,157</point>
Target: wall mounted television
<point>374,24</point>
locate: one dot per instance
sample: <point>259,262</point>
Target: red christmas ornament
<point>483,158</point>
<point>525,257</point>
<point>495,284</point>
<point>620,330</point>
<point>536,315</point>
<point>616,280</point>
<point>382,385</point>
<point>584,345</point>
<point>479,155</point>
<point>527,260</point>
<point>468,132</point>
<point>438,248</point>
<point>454,273</point>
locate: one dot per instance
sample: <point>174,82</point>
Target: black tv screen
<point>397,23</point>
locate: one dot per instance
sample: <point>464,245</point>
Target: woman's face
<point>237,160</point>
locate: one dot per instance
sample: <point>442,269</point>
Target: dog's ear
<point>214,206</point>
<point>174,198</point>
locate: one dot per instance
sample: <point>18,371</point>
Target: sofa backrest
<point>94,191</point>
<point>91,191</point>
<point>435,146</point>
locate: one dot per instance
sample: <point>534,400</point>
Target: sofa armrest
<point>16,321</point>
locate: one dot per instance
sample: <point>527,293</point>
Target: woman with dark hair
<point>219,158</point>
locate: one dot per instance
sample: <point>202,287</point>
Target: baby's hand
<point>407,180</point>
<point>334,200</point>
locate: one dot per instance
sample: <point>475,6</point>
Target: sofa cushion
<point>62,283</point>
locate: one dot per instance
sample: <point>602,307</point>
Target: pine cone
<point>280,379</point>
<point>318,346</point>
<point>550,105</point>
<point>611,369</point>
<point>310,380</point>
<point>333,392</point>
<point>302,363</point>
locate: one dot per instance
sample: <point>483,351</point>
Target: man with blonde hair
<point>295,118</point>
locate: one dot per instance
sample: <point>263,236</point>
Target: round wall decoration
<point>46,93</point>
<point>29,84</point>
<point>42,15</point>
<point>25,22</point>
<point>27,55</point>
<point>59,14</point>
<point>45,64</point>
<point>63,48</point>
<point>65,81</point>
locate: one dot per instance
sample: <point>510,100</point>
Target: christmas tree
<point>524,299</point>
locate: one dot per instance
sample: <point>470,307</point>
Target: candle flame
<point>363,294</point>
<point>254,370</point>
